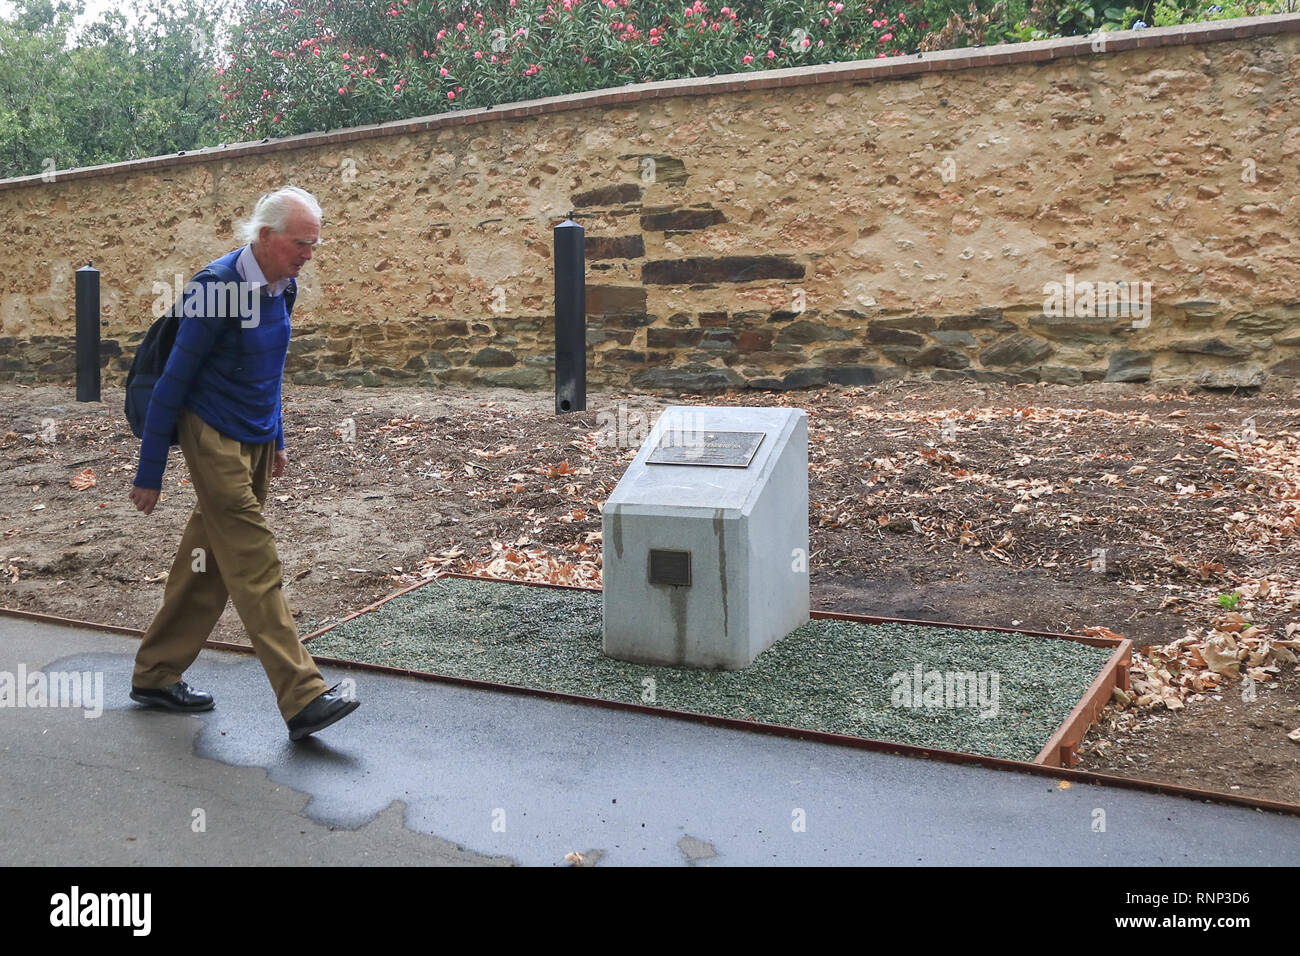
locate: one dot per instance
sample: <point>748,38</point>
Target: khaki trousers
<point>227,550</point>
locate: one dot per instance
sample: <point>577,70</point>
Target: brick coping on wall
<point>1037,51</point>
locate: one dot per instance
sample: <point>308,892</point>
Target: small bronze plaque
<point>670,567</point>
<point>708,448</point>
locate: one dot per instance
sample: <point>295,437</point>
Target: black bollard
<point>570,319</point>
<point>88,334</point>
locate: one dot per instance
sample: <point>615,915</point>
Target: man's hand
<point>281,460</point>
<point>144,498</point>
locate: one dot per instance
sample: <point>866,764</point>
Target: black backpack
<point>151,356</point>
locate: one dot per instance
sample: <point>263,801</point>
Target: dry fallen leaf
<point>83,479</point>
<point>1220,653</point>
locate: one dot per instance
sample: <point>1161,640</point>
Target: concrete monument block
<point>706,539</point>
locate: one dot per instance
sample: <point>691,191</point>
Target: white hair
<point>273,210</point>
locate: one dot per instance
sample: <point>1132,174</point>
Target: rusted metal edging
<point>1061,745</point>
<point>1060,750</point>
<point>843,740</point>
<point>369,607</point>
<point>1064,741</point>
<point>70,622</point>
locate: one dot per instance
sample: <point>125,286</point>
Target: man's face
<point>283,254</point>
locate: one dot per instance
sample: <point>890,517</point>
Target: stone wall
<point>849,223</point>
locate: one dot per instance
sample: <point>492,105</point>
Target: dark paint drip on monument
<point>617,521</point>
<point>719,528</point>
<point>677,600</point>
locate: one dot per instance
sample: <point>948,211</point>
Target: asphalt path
<point>432,774</point>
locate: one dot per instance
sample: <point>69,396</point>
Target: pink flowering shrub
<point>323,64</point>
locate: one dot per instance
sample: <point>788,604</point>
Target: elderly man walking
<point>220,396</point>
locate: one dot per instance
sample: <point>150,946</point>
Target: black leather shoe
<point>178,697</point>
<point>320,713</point>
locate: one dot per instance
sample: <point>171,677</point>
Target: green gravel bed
<point>980,692</point>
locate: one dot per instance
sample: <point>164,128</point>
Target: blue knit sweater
<point>227,372</point>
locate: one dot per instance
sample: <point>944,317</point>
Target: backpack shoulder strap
<point>290,296</point>
<point>222,273</point>
<point>218,271</point>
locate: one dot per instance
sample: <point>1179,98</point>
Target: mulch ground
<point>1132,508</point>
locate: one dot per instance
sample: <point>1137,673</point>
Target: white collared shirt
<point>248,269</point>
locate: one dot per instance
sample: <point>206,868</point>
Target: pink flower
<point>747,58</point>
<point>451,94</point>
<point>342,92</point>
<point>460,28</point>
<point>877,24</point>
<point>839,7</point>
<point>478,54</point>
<point>771,54</point>
<point>689,13</point>
<point>886,37</point>
<point>807,42</point>
<point>901,18</point>
<point>348,56</point>
<point>716,26</point>
<point>826,22</point>
<point>654,41</point>
<point>443,71</point>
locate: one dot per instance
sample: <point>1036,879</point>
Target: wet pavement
<point>432,774</point>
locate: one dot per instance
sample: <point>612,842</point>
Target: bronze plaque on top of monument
<point>708,448</point>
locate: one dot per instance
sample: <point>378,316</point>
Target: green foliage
<point>289,62</point>
<point>1077,17</point>
<point>1229,600</point>
<point>981,23</point>
<point>114,90</point>
<point>179,74</point>
<point>1167,13</point>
